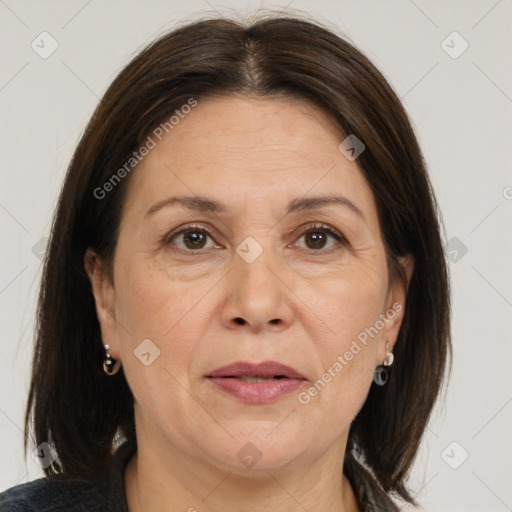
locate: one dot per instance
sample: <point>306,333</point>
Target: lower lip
<point>257,392</point>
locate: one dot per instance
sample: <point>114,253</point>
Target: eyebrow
<point>204,204</point>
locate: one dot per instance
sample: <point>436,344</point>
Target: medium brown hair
<point>72,403</point>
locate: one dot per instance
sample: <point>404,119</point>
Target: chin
<point>258,446</point>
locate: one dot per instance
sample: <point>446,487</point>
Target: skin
<point>301,304</point>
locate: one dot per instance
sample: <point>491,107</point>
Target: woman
<point>245,300</point>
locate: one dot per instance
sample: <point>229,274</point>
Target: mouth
<point>257,383</point>
<point>248,371</point>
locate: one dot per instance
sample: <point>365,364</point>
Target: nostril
<point>239,321</point>
<point>275,321</point>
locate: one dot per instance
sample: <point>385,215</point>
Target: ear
<point>394,308</point>
<point>104,299</point>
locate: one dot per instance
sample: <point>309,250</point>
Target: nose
<point>258,298</point>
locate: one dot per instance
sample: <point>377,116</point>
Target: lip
<point>264,369</point>
<point>228,380</point>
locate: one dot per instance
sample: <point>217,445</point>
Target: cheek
<point>150,306</point>
<point>173,314</point>
<point>346,302</point>
<point>152,303</point>
<point>346,308</point>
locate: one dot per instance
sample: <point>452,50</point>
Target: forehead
<point>231,148</point>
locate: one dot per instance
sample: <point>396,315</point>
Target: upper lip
<point>264,369</point>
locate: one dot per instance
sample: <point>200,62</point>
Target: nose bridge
<point>257,297</point>
<point>257,282</point>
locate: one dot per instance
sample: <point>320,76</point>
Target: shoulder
<point>55,494</point>
<point>64,493</point>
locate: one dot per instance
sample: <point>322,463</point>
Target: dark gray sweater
<point>60,493</point>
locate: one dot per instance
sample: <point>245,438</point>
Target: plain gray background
<point>460,103</point>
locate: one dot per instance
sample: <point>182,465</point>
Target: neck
<point>169,479</point>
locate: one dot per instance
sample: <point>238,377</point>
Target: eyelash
<point>308,229</point>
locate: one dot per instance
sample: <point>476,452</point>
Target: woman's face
<point>228,253</point>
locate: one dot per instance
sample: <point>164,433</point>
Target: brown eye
<point>194,239</point>
<point>316,239</point>
<point>320,238</point>
<point>191,239</point>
